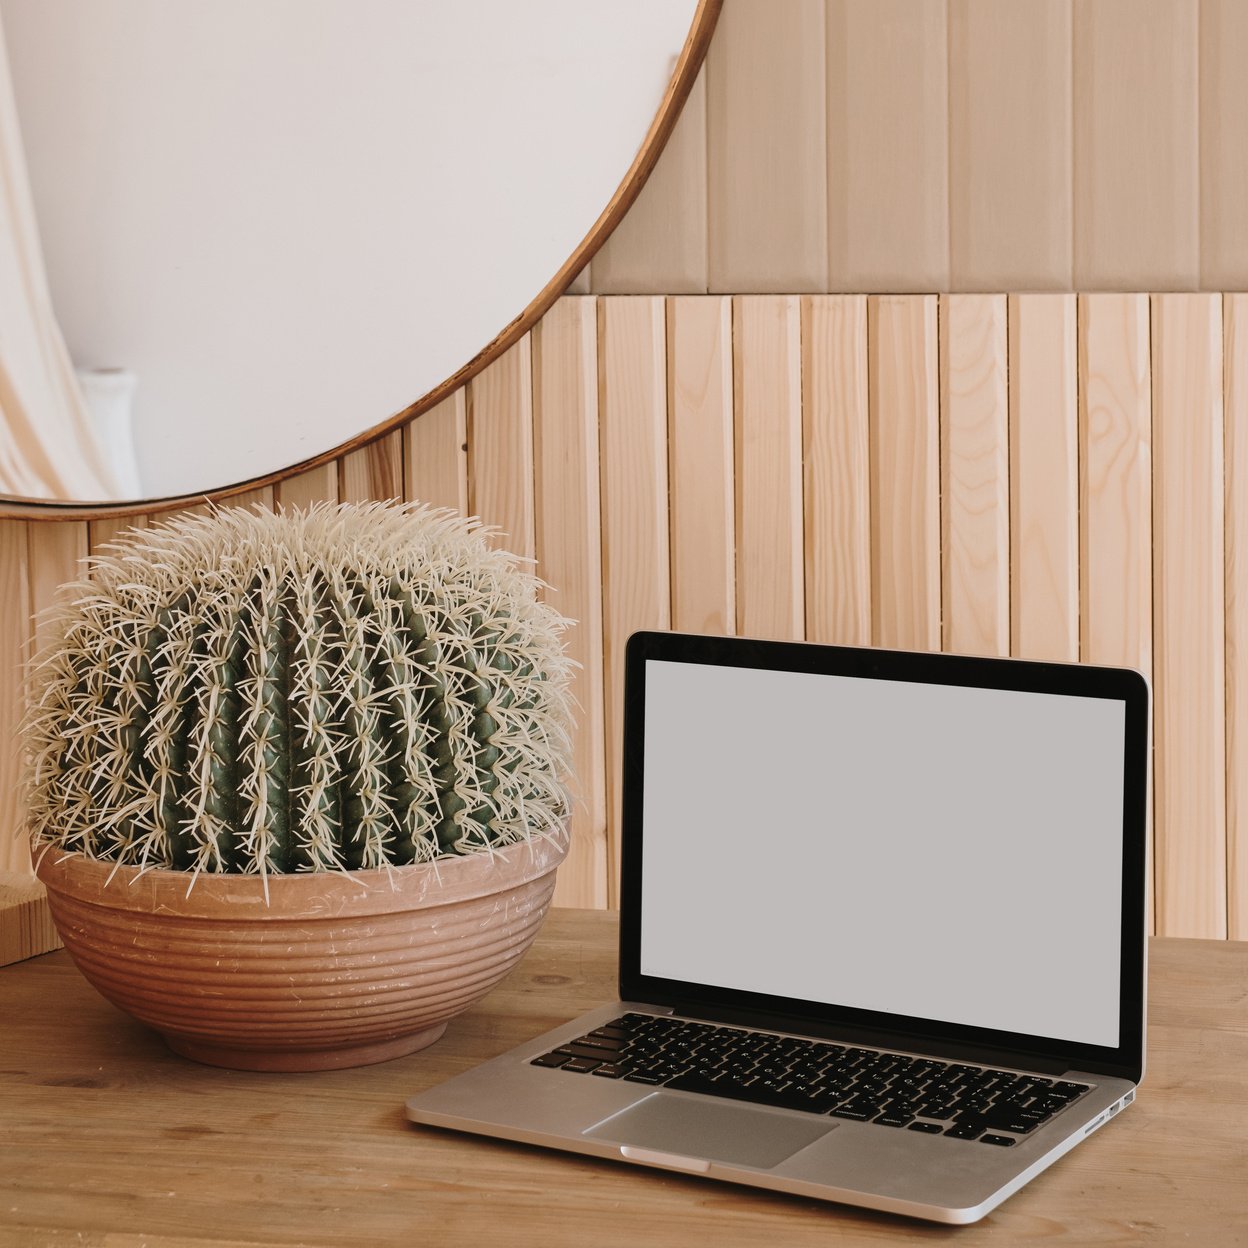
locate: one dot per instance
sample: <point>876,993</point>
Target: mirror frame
<point>690,61</point>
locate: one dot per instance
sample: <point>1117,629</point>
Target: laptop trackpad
<point>713,1130</point>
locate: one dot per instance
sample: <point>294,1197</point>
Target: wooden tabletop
<point>107,1138</point>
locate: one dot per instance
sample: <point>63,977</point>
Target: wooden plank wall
<point>952,145</point>
<point>1044,475</point>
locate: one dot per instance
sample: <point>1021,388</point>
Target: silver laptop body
<point>912,882</point>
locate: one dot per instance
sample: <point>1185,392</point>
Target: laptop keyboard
<point>992,1106</point>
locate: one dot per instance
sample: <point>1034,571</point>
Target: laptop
<point>881,928</point>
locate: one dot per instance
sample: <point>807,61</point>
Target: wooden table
<point>106,1138</point>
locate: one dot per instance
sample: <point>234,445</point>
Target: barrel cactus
<point>268,692</point>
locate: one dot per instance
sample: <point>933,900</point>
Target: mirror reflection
<point>267,228</point>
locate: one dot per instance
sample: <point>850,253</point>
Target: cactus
<point>268,692</point>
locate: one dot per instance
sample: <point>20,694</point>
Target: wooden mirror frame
<point>688,64</point>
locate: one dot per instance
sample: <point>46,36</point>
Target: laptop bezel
<point>871,1027</point>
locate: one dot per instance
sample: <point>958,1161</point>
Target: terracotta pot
<point>335,970</point>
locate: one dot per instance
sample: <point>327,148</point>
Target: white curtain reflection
<point>48,446</point>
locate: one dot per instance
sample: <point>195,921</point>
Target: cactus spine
<point>338,688</point>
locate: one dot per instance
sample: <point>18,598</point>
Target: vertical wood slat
<point>15,629</point>
<point>1223,144</point>
<point>1136,144</point>
<point>105,530</point>
<point>1010,158</point>
<point>636,588</point>
<point>766,148</point>
<point>837,489</point>
<point>435,455</point>
<point>1235,354</point>
<point>1189,615</point>
<point>500,447</point>
<point>56,550</point>
<point>661,243</point>
<point>1044,478</point>
<point>903,390</point>
<point>975,475</point>
<point>374,471</point>
<point>1115,488</point>
<point>701,453</point>
<point>767,399</point>
<point>569,559</point>
<point>313,486</point>
<point>887,162</point>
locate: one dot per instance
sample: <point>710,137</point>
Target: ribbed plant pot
<point>335,970</point>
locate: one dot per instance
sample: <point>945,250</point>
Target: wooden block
<point>837,457</point>
<point>975,475</point>
<point>767,384</point>
<point>661,243</point>
<point>374,471</point>
<point>1010,205</point>
<point>582,283</point>
<point>313,486</point>
<point>636,588</point>
<point>1235,372</point>
<point>1044,478</point>
<point>15,631</point>
<point>569,558</point>
<point>26,927</point>
<point>500,447</point>
<point>887,165</point>
<point>249,499</point>
<point>1115,487</point>
<point>700,448</point>
<point>1223,145</point>
<point>1188,616</point>
<point>766,148</point>
<point>435,455</point>
<point>1136,144</point>
<point>905,471</point>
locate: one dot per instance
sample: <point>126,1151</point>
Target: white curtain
<point>48,447</point>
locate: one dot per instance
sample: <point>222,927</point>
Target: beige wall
<point>931,145</point>
<point>1046,477</point>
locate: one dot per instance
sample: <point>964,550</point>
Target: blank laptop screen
<point>935,851</point>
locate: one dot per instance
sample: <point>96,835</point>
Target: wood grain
<point>975,475</point>
<point>701,463</point>
<point>1136,145</point>
<point>1010,157</point>
<point>766,148</point>
<point>1188,615</point>
<point>435,455</point>
<point>374,471</point>
<point>55,556</point>
<point>903,389</point>
<point>1044,478</point>
<point>1168,1170</point>
<point>1235,400</point>
<point>15,632</point>
<point>568,529</point>
<point>660,246</point>
<point>767,385</point>
<point>26,927</point>
<point>1223,145</point>
<point>837,457</point>
<point>1115,486</point>
<point>887,165</point>
<point>313,486</point>
<point>636,568</point>
<point>108,528</point>
<point>500,448</point>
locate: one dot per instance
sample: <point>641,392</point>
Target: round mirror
<point>273,229</point>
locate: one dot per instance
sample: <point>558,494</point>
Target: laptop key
<point>552,1060</point>
<point>965,1130</point>
<point>641,1076</point>
<point>1001,1141</point>
<point>580,1065</point>
<point>610,1071</point>
<point>930,1128</point>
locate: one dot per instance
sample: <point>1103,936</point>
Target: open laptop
<point>881,928</point>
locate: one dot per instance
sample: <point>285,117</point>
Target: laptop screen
<point>937,851</point>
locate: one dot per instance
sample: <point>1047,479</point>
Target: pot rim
<point>314,894</point>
